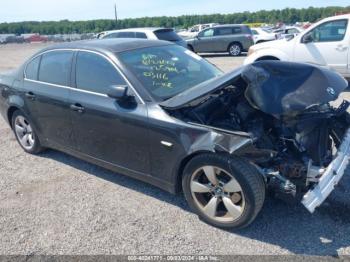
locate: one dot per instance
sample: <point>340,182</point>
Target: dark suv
<point>233,39</point>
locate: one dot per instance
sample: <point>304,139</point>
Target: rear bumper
<point>330,178</point>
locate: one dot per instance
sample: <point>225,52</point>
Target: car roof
<point>116,45</point>
<point>228,25</point>
<point>139,29</point>
<point>345,16</point>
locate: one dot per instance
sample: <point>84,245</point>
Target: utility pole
<point>116,14</point>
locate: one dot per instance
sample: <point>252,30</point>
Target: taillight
<point>249,37</point>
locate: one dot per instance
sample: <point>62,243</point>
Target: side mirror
<point>118,92</point>
<point>307,39</point>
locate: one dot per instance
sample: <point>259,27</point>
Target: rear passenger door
<point>104,129</point>
<point>46,86</point>
<point>223,38</point>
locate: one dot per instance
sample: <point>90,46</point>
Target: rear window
<point>55,67</point>
<point>32,69</point>
<point>167,34</point>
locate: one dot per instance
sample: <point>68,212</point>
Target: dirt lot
<point>57,204</point>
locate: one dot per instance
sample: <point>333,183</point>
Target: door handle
<point>341,48</point>
<point>77,107</point>
<point>30,95</point>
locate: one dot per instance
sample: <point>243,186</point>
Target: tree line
<point>287,15</point>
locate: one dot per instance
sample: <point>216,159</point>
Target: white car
<point>287,32</point>
<point>193,31</point>
<point>152,33</point>
<point>261,35</point>
<point>326,44</point>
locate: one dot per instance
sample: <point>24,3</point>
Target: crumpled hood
<point>201,91</point>
<point>276,87</point>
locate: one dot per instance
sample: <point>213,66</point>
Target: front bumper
<point>330,178</point>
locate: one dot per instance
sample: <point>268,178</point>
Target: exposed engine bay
<point>287,111</point>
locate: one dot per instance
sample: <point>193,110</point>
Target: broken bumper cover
<point>330,178</point>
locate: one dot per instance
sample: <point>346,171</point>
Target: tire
<point>212,202</point>
<point>22,128</point>
<point>235,49</point>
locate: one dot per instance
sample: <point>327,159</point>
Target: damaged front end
<point>329,177</point>
<point>279,117</point>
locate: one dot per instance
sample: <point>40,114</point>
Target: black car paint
<point>142,141</point>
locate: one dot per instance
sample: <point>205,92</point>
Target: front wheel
<point>25,134</point>
<point>235,49</point>
<point>223,191</point>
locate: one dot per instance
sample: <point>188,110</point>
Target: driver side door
<point>328,46</point>
<point>204,41</point>
<point>103,128</point>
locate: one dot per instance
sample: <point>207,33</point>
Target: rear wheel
<point>235,49</point>
<point>223,191</point>
<point>25,134</point>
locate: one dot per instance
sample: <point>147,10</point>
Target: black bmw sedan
<point>158,112</point>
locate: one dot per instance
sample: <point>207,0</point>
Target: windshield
<point>167,35</point>
<point>166,71</point>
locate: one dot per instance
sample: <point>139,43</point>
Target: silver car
<point>233,39</point>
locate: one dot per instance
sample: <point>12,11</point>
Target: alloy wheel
<point>235,50</point>
<point>24,133</point>
<point>217,194</point>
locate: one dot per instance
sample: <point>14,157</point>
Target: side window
<point>55,67</point>
<point>236,30</point>
<point>207,33</point>
<point>95,73</point>
<point>330,31</point>
<point>223,31</point>
<point>32,68</point>
<point>113,35</point>
<point>292,31</point>
<point>141,35</point>
<point>126,35</point>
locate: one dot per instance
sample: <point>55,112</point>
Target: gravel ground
<point>57,204</point>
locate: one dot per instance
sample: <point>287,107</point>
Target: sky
<point>54,10</point>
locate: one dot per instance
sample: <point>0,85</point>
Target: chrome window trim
<point>76,89</point>
<point>65,87</point>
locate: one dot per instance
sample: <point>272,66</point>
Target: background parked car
<point>261,35</point>
<point>287,32</point>
<point>167,34</point>
<point>233,39</point>
<point>193,31</point>
<point>326,43</point>
<point>36,38</point>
